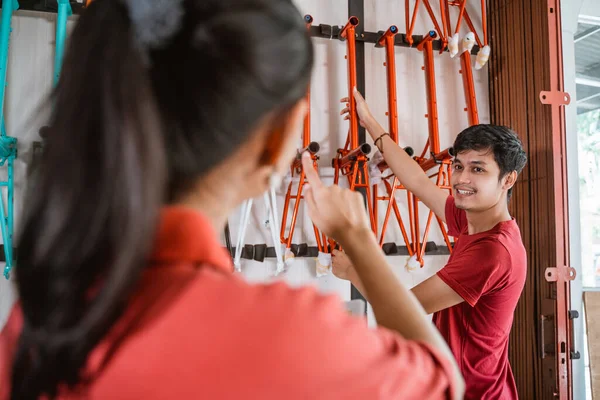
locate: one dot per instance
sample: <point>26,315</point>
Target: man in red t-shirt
<point>474,296</point>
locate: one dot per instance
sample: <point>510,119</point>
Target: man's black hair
<point>503,141</point>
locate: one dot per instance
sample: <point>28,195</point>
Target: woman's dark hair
<point>502,141</point>
<point>131,129</point>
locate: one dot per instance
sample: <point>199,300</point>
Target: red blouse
<point>202,332</point>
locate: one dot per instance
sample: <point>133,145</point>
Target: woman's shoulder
<point>220,325</point>
<point>9,336</point>
<point>269,341</point>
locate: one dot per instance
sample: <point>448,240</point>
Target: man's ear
<point>509,180</point>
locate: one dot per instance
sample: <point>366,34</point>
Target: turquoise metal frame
<point>64,12</point>
<point>8,144</point>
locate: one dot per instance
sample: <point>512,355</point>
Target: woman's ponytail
<point>91,213</point>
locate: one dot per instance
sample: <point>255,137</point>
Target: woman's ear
<point>273,147</point>
<point>283,137</point>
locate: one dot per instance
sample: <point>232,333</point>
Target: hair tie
<point>155,22</point>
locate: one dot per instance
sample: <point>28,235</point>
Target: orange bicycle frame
<point>351,161</point>
<point>387,41</point>
<point>297,169</point>
<point>442,31</point>
<point>441,158</point>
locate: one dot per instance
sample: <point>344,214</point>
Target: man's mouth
<point>465,192</point>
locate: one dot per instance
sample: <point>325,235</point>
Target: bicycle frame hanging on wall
<point>8,144</point>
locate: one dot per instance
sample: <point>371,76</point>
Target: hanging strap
<point>273,215</point>
<point>245,216</point>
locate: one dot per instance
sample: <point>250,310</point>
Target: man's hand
<point>342,266</point>
<point>341,215</point>
<point>343,269</point>
<point>402,165</point>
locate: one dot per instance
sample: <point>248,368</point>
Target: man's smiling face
<point>476,181</point>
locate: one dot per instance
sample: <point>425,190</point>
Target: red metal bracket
<point>560,274</point>
<point>555,98</point>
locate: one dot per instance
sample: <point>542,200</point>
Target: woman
<point>169,114</point>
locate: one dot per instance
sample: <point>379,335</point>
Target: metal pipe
<point>484,23</point>
<point>432,112</point>
<point>308,19</point>
<point>387,40</point>
<point>428,224</point>
<point>437,159</point>
<point>383,165</point>
<point>8,6</point>
<point>64,11</point>
<point>461,12</point>
<point>411,28</point>
<point>472,28</point>
<point>469,88</point>
<point>288,240</point>
<point>313,148</point>
<point>362,150</point>
<point>227,234</point>
<point>445,25</point>
<point>406,20</point>
<point>11,202</point>
<point>427,39</point>
<point>435,22</point>
<point>7,146</point>
<point>348,32</point>
<point>4,229</point>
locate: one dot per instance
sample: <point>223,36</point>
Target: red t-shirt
<point>202,332</point>
<point>488,271</point>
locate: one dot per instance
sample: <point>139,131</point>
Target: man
<point>474,296</point>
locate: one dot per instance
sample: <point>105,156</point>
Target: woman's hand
<point>337,212</point>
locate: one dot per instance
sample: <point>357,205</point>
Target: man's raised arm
<point>407,170</point>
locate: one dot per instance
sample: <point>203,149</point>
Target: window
<point>588,131</point>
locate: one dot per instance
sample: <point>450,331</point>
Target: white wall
<point>329,85</point>
<point>30,78</point>
<point>590,9</point>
